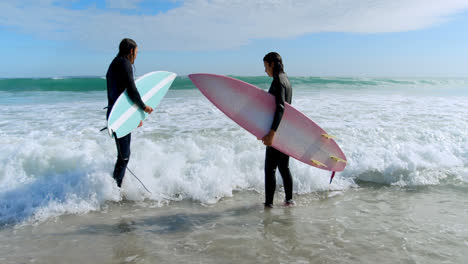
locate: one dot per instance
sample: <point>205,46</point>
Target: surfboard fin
<point>328,136</point>
<point>318,163</point>
<point>331,178</point>
<point>337,159</point>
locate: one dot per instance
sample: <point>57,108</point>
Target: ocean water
<point>403,197</point>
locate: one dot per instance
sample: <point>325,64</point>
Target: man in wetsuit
<point>281,89</point>
<point>120,78</point>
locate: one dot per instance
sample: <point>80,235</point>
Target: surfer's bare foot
<point>289,203</point>
<point>141,123</point>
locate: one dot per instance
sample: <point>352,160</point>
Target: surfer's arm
<point>280,98</point>
<point>131,87</point>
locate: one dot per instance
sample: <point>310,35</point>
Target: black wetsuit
<point>120,78</point>
<point>281,89</point>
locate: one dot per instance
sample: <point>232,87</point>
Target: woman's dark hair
<point>126,46</point>
<point>275,58</point>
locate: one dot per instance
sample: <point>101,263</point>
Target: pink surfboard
<point>253,109</point>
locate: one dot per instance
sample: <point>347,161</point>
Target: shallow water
<point>369,224</point>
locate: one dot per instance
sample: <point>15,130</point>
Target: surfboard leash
<point>139,180</point>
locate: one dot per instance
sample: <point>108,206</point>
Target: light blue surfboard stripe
<point>125,115</point>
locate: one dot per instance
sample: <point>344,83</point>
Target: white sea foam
<point>55,161</point>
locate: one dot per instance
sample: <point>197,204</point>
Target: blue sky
<point>412,38</point>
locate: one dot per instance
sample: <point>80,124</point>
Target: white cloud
<point>223,24</point>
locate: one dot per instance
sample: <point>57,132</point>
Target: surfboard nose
<point>195,78</point>
<point>206,82</point>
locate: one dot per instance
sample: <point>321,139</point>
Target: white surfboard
<point>125,115</point>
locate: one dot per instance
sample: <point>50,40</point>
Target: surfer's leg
<point>283,167</point>
<point>123,155</point>
<point>271,162</point>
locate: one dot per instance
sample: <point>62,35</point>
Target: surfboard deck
<point>253,109</point>
<point>125,115</point>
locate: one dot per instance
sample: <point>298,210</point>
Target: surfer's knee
<point>270,170</point>
<point>122,162</point>
<point>125,155</point>
<point>270,166</point>
<point>284,170</point>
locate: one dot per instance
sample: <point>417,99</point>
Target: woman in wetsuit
<point>281,89</point>
<point>120,78</point>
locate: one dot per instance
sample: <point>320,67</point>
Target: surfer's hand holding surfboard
<point>268,139</point>
<point>148,109</point>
